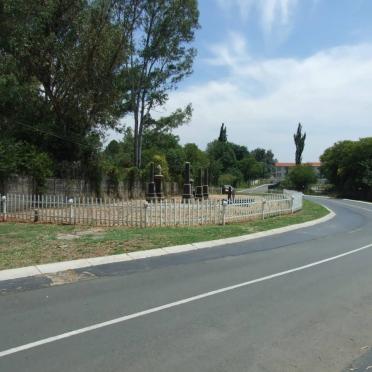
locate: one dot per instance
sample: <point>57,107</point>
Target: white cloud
<point>271,12</point>
<point>230,54</point>
<point>329,92</point>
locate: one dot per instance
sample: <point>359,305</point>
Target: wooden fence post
<point>224,206</point>
<point>3,199</point>
<point>71,203</point>
<point>145,206</point>
<point>263,208</point>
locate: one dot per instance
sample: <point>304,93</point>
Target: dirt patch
<point>69,276</point>
<point>96,233</point>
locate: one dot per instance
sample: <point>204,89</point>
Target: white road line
<point>124,318</point>
<point>357,206</point>
<point>359,201</point>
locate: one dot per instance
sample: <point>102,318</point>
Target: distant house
<point>281,169</point>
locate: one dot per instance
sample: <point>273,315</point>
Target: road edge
<point>52,268</point>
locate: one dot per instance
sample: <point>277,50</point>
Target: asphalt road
<point>290,302</point>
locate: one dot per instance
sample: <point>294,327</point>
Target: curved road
<point>299,301</point>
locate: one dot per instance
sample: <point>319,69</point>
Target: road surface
<point>299,301</point>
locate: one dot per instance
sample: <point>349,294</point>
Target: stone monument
<point>205,184</point>
<point>199,188</point>
<point>187,190</point>
<point>151,190</point>
<point>159,183</point>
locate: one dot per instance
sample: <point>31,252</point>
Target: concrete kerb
<point>50,268</point>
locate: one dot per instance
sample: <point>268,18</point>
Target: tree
<point>23,159</point>
<point>197,158</point>
<point>223,152</point>
<point>160,57</point>
<point>299,140</point>
<point>240,151</point>
<point>267,160</point>
<point>348,167</point>
<point>223,136</point>
<point>250,168</point>
<point>301,177</point>
<point>62,60</point>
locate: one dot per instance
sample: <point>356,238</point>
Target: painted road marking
<point>139,314</point>
<point>357,206</point>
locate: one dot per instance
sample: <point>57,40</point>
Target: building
<point>281,169</point>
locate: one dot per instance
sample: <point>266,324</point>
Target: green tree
<point>299,140</point>
<point>251,169</point>
<point>347,165</point>
<point>266,159</point>
<point>160,57</point>
<point>23,159</point>
<point>197,158</point>
<point>301,177</point>
<point>223,135</point>
<point>62,61</point>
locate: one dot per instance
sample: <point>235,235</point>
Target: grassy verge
<point>29,244</point>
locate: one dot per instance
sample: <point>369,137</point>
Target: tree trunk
<point>136,140</point>
<point>140,137</point>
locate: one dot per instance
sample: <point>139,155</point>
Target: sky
<point>263,66</point>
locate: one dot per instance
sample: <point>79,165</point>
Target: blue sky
<point>265,65</point>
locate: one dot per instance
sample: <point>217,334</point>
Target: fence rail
<point>60,209</point>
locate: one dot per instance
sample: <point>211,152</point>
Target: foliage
<point>250,168</point>
<point>233,162</point>
<point>160,160</point>
<point>299,140</point>
<point>24,159</point>
<point>301,177</point>
<point>196,157</point>
<point>266,160</point>
<point>160,57</point>
<point>223,135</point>
<point>348,166</point>
<point>59,78</point>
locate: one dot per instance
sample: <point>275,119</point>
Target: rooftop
<point>312,164</point>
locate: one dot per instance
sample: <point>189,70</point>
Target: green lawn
<point>28,244</point>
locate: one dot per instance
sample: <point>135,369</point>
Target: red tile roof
<point>313,164</point>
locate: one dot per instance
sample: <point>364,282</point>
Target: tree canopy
<point>348,167</point>
<point>301,177</point>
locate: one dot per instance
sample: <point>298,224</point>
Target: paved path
<point>300,301</point>
<point>261,188</point>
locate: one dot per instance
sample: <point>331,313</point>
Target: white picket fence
<point>139,213</point>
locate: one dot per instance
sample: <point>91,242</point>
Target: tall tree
<point>161,56</point>
<point>299,140</point>
<point>223,135</point>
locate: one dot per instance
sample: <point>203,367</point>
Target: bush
<point>300,178</point>
<point>24,159</point>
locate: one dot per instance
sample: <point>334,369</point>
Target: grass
<point>29,244</point>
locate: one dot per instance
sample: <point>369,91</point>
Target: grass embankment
<point>29,244</point>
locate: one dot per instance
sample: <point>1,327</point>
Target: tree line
<point>70,70</point>
<point>228,162</point>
